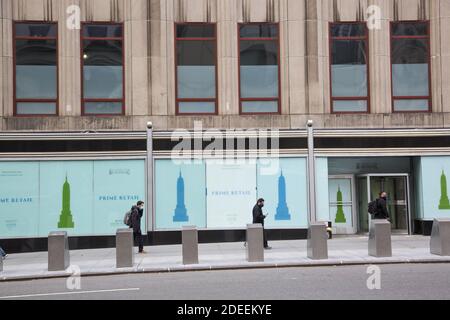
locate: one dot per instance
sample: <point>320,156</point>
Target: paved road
<point>405,281</point>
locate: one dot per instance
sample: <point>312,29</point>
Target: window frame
<point>273,39</point>
<point>122,39</point>
<point>177,99</point>
<point>426,37</point>
<point>367,51</point>
<point>15,38</point>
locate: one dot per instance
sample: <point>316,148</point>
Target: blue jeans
<point>2,252</point>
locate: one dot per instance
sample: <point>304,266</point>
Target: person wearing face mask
<point>258,217</point>
<point>382,212</point>
<point>137,212</point>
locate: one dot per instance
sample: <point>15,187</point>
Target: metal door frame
<point>354,206</point>
<point>407,191</point>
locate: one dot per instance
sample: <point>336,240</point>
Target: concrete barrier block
<point>58,251</point>
<point>380,244</point>
<point>124,248</point>
<point>255,243</point>
<point>440,237</point>
<point>317,242</point>
<point>189,239</point>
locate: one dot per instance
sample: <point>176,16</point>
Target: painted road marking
<point>67,293</point>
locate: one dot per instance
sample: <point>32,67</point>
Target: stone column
<point>58,251</point>
<point>317,241</point>
<point>189,237</point>
<point>440,237</point>
<point>124,248</point>
<point>255,243</point>
<point>380,239</point>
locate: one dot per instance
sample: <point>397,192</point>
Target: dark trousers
<point>138,239</point>
<point>265,238</point>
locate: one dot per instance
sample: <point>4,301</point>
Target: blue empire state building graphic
<point>282,208</point>
<point>180,213</point>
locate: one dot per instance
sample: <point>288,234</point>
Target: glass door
<point>396,187</point>
<point>397,200</point>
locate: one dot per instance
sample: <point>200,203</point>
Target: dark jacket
<point>382,212</point>
<point>258,216</point>
<point>136,215</point>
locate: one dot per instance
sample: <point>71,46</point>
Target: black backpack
<point>373,207</point>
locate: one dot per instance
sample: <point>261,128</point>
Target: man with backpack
<point>133,220</point>
<point>378,207</point>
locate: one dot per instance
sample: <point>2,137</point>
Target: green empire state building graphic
<point>340,216</point>
<point>65,219</point>
<point>444,204</point>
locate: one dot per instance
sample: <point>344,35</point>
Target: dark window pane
<point>409,51</point>
<point>258,31</point>
<point>38,108</point>
<point>349,52</point>
<point>348,30</point>
<point>102,31</point>
<point>349,69</point>
<point>259,69</point>
<point>35,30</point>
<point>410,67</point>
<point>196,53</point>
<point>103,107</point>
<point>410,29</point>
<point>102,53</point>
<point>196,70</point>
<point>36,71</point>
<point>103,69</point>
<point>259,53</point>
<point>196,107</point>
<point>36,52</point>
<point>259,106</point>
<point>195,31</point>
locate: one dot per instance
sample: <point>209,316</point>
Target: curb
<point>253,265</point>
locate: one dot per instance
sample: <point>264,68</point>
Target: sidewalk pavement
<point>215,256</point>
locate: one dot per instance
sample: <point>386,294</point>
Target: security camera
<point>310,123</point>
<point>149,125</point>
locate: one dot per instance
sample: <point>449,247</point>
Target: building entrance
<point>397,187</point>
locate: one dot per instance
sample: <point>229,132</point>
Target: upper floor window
<point>410,57</point>
<point>196,68</point>
<point>349,67</point>
<point>102,69</point>
<point>259,70</point>
<point>35,69</point>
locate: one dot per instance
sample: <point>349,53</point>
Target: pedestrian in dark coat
<point>258,217</point>
<point>382,212</point>
<point>137,212</point>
